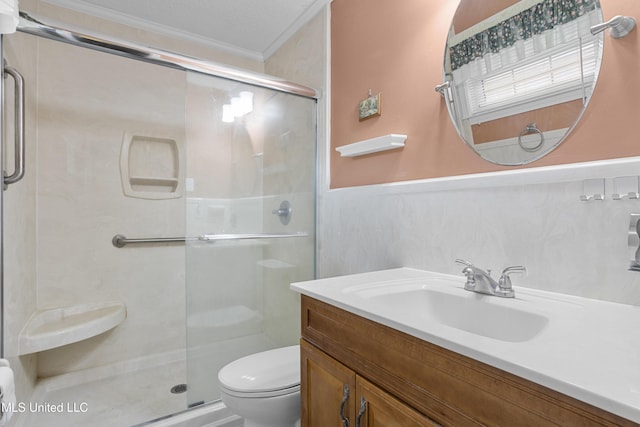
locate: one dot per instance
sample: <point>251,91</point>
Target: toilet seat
<point>267,374</point>
<point>260,394</point>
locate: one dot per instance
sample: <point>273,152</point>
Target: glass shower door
<point>251,197</point>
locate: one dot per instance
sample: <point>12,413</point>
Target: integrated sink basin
<point>474,313</point>
<point>446,302</point>
<point>558,341</point>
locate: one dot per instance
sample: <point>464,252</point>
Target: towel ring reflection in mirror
<point>530,129</point>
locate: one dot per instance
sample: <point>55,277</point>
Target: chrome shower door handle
<point>18,172</point>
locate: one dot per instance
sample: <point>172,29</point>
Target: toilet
<point>264,388</point>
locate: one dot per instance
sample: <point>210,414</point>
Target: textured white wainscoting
<point>567,245</point>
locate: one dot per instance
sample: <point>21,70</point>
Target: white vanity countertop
<point>589,349</point>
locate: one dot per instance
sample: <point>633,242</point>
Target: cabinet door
<point>327,390</point>
<point>383,410</point>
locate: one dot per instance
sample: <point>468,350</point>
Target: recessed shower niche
<point>151,165</point>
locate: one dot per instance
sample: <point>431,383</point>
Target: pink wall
<point>396,48</point>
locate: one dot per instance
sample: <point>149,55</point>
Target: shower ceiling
<point>253,28</point>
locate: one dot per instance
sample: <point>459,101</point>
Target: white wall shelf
<point>373,145</point>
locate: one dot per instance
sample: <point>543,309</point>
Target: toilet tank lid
<point>269,370</point>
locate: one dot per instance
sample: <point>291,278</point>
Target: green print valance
<point>544,16</point>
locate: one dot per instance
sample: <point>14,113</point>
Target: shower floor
<point>129,394</point>
<point>115,396</point>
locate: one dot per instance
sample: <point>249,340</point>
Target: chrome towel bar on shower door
<point>18,172</point>
<point>120,241</point>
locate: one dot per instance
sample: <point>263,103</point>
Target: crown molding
<point>136,22</point>
<point>306,16</point>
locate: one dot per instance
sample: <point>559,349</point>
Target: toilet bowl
<point>264,388</point>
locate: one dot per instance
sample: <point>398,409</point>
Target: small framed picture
<point>369,107</point>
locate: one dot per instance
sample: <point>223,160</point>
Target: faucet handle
<point>505,280</point>
<point>469,271</point>
<point>514,269</point>
<point>463,262</point>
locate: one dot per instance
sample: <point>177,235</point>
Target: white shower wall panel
<point>87,101</point>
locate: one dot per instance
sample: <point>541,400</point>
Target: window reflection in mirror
<point>521,74</point>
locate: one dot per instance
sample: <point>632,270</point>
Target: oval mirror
<point>519,74</point>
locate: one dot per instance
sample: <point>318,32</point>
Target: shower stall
<point>167,204</point>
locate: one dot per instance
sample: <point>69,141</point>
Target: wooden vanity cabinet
<point>410,382</point>
<point>333,392</point>
<point>327,389</point>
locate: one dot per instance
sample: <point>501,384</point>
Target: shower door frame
<point>2,141</point>
<point>114,46</point>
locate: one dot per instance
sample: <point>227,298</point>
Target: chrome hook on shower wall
<point>18,172</point>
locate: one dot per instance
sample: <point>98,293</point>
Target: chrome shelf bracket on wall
<point>619,26</point>
<point>444,89</point>
<point>18,172</point>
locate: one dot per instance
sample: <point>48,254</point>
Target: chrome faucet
<point>481,281</point>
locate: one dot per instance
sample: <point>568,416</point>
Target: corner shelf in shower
<point>55,327</point>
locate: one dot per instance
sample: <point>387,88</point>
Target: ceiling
<point>251,28</point>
